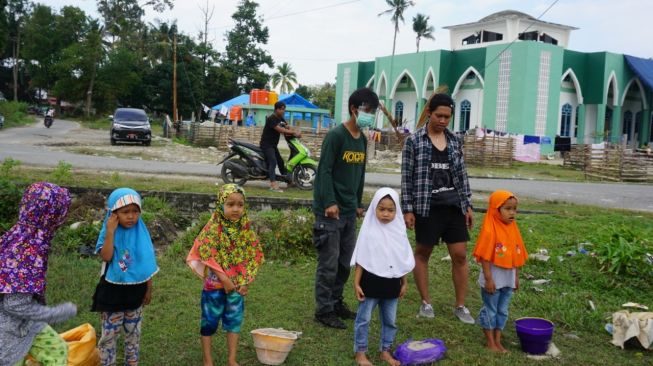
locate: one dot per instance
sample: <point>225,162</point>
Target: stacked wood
<point>492,151</point>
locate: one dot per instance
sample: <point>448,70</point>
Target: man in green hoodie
<point>337,201</point>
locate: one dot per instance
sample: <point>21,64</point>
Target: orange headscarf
<point>498,242</point>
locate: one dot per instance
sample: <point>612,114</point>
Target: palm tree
<point>397,8</point>
<point>422,28</point>
<point>285,77</point>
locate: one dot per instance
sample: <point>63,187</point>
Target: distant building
<point>513,73</point>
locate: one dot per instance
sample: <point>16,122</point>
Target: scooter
<point>47,121</point>
<point>246,161</point>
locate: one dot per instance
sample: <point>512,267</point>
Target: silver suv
<point>130,125</point>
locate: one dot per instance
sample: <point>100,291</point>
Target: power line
<point>299,12</point>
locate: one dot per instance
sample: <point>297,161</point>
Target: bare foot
<point>387,357</point>
<point>501,348</point>
<point>493,348</point>
<point>361,359</point>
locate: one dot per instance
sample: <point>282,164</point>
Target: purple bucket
<point>534,334</point>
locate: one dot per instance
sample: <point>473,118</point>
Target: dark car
<point>130,125</point>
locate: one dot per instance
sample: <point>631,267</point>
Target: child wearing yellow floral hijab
<point>226,255</point>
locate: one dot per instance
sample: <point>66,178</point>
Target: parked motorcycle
<point>47,121</point>
<point>247,162</point>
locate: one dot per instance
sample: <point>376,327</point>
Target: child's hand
<point>360,296</point>
<point>404,289</point>
<point>490,287</point>
<point>243,290</point>
<point>148,296</point>
<point>228,285</point>
<point>112,222</point>
<point>516,283</point>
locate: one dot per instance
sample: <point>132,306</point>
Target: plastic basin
<point>273,345</point>
<point>534,334</point>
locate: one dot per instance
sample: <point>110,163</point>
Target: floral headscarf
<point>25,247</point>
<point>229,247</point>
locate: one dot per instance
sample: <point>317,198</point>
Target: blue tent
<point>643,68</point>
<point>239,100</point>
<point>296,100</point>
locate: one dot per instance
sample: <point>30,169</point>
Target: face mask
<point>364,120</point>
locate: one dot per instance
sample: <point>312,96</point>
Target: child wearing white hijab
<point>383,256</point>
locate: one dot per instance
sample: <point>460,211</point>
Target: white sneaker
<point>463,314</point>
<point>425,311</point>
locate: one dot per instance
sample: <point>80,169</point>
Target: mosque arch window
<point>628,123</point>
<point>399,112</point>
<point>565,120</point>
<point>465,114</point>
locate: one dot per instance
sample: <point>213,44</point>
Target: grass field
<point>282,296</point>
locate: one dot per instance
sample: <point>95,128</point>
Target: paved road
<point>21,144</point>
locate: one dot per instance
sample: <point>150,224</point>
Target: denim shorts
<point>218,305</point>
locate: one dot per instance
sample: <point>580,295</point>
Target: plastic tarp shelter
<point>296,100</point>
<point>643,68</point>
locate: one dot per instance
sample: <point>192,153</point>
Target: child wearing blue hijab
<point>125,286</point>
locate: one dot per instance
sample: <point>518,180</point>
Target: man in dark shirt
<point>275,125</point>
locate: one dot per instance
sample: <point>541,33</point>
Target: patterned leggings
<point>48,348</point>
<point>112,323</point>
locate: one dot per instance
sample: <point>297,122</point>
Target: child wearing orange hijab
<point>501,251</point>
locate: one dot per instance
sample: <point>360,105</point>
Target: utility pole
<point>174,79</point>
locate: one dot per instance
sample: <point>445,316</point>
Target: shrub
<point>68,240</point>
<point>10,195</point>
<point>62,173</point>
<point>623,251</point>
<point>15,113</point>
<point>285,234</point>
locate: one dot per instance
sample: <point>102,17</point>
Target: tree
<point>244,56</point>
<point>422,28</point>
<point>17,15</point>
<point>397,8</point>
<point>305,91</point>
<point>324,96</point>
<point>284,77</point>
<point>4,27</point>
<point>41,46</point>
<point>122,18</point>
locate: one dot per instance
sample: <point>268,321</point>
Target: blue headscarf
<point>133,259</point>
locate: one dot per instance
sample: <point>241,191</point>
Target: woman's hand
<point>469,218</point>
<point>409,219</point>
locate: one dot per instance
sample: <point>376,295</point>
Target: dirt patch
<point>87,141</point>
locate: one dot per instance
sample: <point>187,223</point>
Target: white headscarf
<point>383,249</point>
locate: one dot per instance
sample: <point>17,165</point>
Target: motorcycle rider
<point>275,125</point>
<point>49,114</point>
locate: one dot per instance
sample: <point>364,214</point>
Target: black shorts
<point>444,222</point>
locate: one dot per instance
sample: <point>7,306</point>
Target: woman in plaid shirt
<point>436,200</point>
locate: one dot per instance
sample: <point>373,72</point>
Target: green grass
<point>282,296</point>
<point>539,171</point>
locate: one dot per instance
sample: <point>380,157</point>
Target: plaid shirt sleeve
<point>459,173</point>
<point>407,167</point>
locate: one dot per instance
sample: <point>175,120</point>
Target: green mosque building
<point>510,72</point>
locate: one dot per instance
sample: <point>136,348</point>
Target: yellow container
<point>273,344</point>
<point>273,97</point>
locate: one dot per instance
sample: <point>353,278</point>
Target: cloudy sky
<point>315,36</point>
